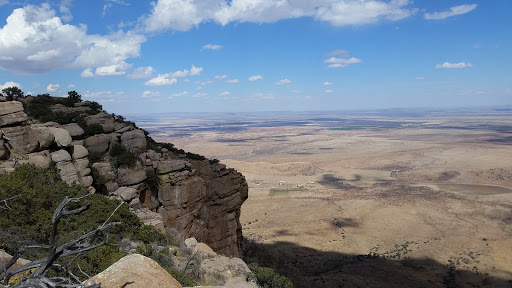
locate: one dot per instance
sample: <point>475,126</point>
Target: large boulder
<point>98,143</point>
<point>104,119</point>
<point>134,141</point>
<point>126,193</point>
<point>74,130</point>
<point>61,156</point>
<point>135,271</point>
<point>131,176</point>
<point>11,113</point>
<point>22,139</point>
<point>44,136</point>
<point>168,166</point>
<point>62,137</point>
<point>79,151</point>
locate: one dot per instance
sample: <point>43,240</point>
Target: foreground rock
<point>134,271</point>
<point>12,113</point>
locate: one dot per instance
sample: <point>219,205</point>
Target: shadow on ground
<point>307,267</point>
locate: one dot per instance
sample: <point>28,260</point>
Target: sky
<point>140,57</point>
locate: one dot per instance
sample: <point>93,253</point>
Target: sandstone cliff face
<point>191,198</point>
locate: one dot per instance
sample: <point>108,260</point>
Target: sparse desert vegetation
<point>409,202</point>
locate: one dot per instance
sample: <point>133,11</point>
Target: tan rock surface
<point>135,271</point>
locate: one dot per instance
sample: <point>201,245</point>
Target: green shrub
<point>267,277</point>
<point>122,157</point>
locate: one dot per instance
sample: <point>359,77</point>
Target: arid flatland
<point>425,190</point>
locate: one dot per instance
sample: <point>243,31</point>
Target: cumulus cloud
<point>233,81</point>
<point>255,78</point>
<point>141,73</point>
<point>328,91</point>
<point>52,88</point>
<point>65,11</point>
<point>335,62</point>
<point>35,41</point>
<point>162,80</point>
<point>183,15</point>
<point>71,86</point>
<point>282,82</point>
<point>181,94</point>
<point>211,47</point>
<point>199,95</point>
<point>150,94</point>
<point>327,83</point>
<point>10,84</point>
<point>170,78</point>
<point>87,73</point>
<point>225,93</point>
<point>454,11</point>
<point>220,77</point>
<point>113,70</point>
<point>448,65</point>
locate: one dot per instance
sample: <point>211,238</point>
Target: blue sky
<point>257,55</point>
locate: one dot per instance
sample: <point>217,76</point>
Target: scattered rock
<point>190,243</point>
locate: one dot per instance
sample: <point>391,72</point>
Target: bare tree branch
<point>6,205</point>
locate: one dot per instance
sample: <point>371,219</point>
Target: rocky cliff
<point>180,192</point>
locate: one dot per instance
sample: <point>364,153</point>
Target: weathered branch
<point>6,205</point>
<point>82,244</point>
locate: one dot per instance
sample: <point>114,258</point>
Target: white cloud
<point>181,94</point>
<point>454,11</point>
<point>64,9</point>
<point>170,78</point>
<point>113,70</point>
<point>199,95</point>
<point>448,65</point>
<point>233,81</point>
<point>220,77</point>
<point>104,96</point>
<point>162,80</point>
<point>283,82</point>
<point>328,91</point>
<point>141,73</point>
<point>225,93</point>
<point>10,84</point>
<point>211,47</point>
<point>150,94</point>
<point>183,15</point>
<point>194,71</point>
<point>52,88</point>
<point>87,73</point>
<point>255,78</point>
<point>71,86</point>
<point>35,41</point>
<point>327,83</point>
<point>335,62</point>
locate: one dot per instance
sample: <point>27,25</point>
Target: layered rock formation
<point>184,194</point>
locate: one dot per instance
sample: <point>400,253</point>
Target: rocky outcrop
<point>135,271</point>
<point>12,113</point>
<point>188,197</point>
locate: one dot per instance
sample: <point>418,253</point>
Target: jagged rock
<point>11,113</point>
<point>62,137</point>
<point>126,193</point>
<point>168,166</point>
<point>98,143</point>
<point>150,218</point>
<point>4,151</point>
<point>44,136</point>
<point>134,271</point>
<point>104,119</point>
<point>22,139</point>
<point>79,151</point>
<point>111,186</point>
<point>129,176</point>
<point>74,130</point>
<point>134,141</point>
<point>105,170</point>
<point>151,154</point>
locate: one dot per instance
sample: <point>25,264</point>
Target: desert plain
<point>390,198</point>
